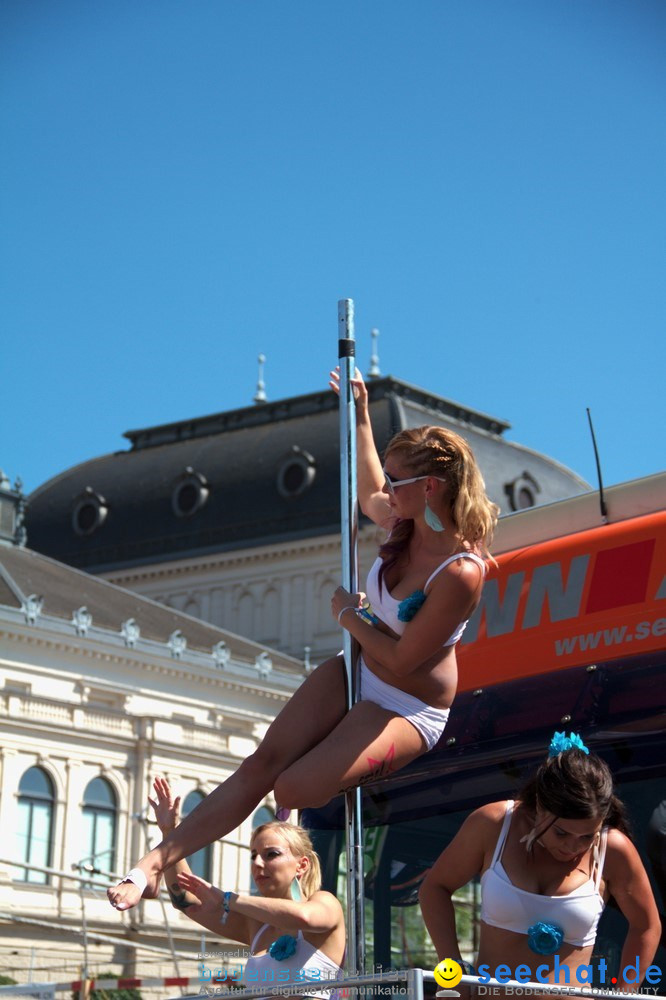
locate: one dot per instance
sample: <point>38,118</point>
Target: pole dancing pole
<point>349,521</point>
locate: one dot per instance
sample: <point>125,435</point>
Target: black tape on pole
<point>346,348</point>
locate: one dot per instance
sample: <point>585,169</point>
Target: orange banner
<point>588,597</point>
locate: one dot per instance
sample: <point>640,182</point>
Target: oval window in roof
<point>89,513</point>
<point>522,491</point>
<point>190,493</point>
<point>296,473</point>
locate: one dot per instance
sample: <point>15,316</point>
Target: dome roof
<point>253,476</point>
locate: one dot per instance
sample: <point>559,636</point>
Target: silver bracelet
<point>348,607</point>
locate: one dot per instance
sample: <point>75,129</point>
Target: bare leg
<point>368,743</point>
<point>307,718</point>
<point>313,750</point>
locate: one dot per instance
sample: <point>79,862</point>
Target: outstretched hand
<point>359,387</point>
<point>208,894</point>
<point>165,807</point>
<point>203,890</point>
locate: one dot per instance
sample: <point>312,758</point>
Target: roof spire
<point>12,511</point>
<point>374,371</point>
<point>260,394</point>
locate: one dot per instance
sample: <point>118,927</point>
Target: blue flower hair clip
<point>560,743</point>
<point>408,608</point>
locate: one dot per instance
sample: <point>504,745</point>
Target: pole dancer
<point>430,498</point>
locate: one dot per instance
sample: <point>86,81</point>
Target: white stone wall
<point>80,708</point>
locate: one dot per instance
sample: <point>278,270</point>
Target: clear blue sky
<point>186,184</point>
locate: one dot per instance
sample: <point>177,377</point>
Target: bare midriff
<point>433,682</point>
<point>501,947</point>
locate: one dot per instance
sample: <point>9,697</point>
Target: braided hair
<point>436,451</point>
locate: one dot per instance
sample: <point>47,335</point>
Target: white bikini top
<point>395,613</point>
<point>306,965</point>
<point>504,905</point>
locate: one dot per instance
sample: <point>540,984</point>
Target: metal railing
<point>412,981</point>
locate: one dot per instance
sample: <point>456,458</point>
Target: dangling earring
<point>595,851</point>
<point>431,519</point>
<point>296,893</point>
<point>529,838</point>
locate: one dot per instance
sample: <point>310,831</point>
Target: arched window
<point>35,824</point>
<point>261,816</point>
<point>99,825</point>
<point>199,862</point>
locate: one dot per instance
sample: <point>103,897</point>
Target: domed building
<point>235,517</point>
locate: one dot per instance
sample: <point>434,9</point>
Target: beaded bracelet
<point>226,899</point>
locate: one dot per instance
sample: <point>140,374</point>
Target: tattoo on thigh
<point>378,768</point>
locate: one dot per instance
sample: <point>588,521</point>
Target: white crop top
<point>386,607</point>
<point>504,905</point>
<point>306,965</point>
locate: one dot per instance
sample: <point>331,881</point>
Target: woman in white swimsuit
<point>295,932</point>
<point>548,862</point>
<point>430,498</point>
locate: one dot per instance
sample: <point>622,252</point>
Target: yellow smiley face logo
<point>448,973</point>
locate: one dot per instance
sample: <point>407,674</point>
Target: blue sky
<point>186,184</point>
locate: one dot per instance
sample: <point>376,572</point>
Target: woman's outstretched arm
<point>369,472</point>
<point>317,915</point>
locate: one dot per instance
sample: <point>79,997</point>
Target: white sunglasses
<point>392,483</point>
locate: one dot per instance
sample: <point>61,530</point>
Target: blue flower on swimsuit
<point>561,743</point>
<point>284,947</point>
<point>545,939</point>
<point>408,608</point>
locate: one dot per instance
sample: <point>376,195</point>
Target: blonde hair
<point>300,845</point>
<point>436,451</point>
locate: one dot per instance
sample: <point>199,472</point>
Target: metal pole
<point>83,991</point>
<point>349,522</point>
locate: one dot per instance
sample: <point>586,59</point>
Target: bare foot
<point>127,893</point>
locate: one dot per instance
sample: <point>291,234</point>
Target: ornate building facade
<point>100,690</point>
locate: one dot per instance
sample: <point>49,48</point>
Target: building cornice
<point>241,558</point>
<point>109,647</point>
